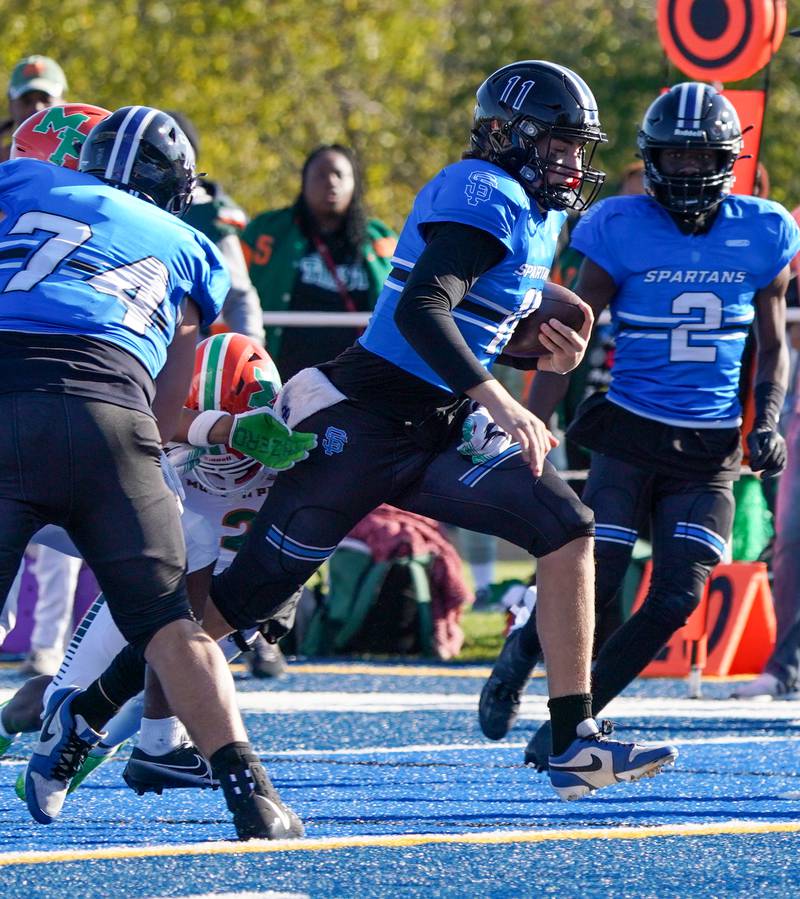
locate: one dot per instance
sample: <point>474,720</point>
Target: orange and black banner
<point>721,40</point>
<point>750,105</point>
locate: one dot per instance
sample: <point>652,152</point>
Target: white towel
<point>307,392</point>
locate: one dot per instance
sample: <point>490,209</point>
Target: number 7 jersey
<point>79,257</point>
<point>684,303</point>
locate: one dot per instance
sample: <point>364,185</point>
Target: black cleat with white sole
<point>258,811</point>
<point>179,768</point>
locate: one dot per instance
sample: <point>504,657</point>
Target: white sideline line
<point>430,748</point>
<point>533,707</point>
<point>493,747</point>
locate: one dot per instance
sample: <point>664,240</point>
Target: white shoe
<point>765,686</point>
<point>593,761</point>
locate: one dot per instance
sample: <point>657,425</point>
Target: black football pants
<point>690,523</point>
<point>94,469</point>
<point>364,459</point>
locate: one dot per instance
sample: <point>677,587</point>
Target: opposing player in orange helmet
<point>233,374</point>
<point>56,134</point>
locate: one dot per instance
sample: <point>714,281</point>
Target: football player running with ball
<point>686,270</point>
<point>471,261</point>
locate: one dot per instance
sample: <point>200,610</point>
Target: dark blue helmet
<point>690,116</point>
<point>142,150</point>
<point>525,101</point>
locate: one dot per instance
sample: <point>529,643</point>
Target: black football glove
<point>767,452</point>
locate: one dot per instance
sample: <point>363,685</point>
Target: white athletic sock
<point>587,728</point>
<point>161,735</point>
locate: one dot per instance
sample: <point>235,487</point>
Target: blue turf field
<point>402,796</point>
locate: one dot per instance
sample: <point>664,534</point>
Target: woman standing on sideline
<point>321,254</point>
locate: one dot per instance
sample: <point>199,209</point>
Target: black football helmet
<point>525,101</point>
<point>690,116</point>
<point>143,151</point>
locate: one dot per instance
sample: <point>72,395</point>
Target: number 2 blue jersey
<point>476,193</point>
<point>684,303</point>
<point>79,257</point>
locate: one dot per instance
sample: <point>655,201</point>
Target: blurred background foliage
<point>265,82</point>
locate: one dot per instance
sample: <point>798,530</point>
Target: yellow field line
<point>734,828</point>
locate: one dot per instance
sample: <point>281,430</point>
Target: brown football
<point>557,302</point>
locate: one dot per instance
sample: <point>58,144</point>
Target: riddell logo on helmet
<point>689,132</point>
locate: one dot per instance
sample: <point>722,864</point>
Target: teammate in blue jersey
<point>471,260</point>
<point>102,292</point>
<point>686,271</point>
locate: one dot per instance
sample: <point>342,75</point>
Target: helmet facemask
<point>689,196</point>
<point>575,188</point>
<point>690,116</point>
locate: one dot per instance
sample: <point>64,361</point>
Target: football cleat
<point>179,768</point>
<point>6,742</point>
<point>265,659</point>
<point>97,757</point>
<point>540,745</point>
<point>593,761</point>
<point>64,743</point>
<point>259,813</point>
<point>499,704</point>
<point>766,686</point>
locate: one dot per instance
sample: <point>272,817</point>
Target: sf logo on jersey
<point>479,188</point>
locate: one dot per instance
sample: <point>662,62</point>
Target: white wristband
<point>199,429</point>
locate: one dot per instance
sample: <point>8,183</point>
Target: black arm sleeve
<point>769,402</point>
<point>455,257</point>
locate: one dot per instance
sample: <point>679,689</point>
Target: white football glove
<point>482,438</point>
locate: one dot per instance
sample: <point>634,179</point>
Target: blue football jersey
<point>684,303</point>
<point>480,194</point>
<point>80,257</point>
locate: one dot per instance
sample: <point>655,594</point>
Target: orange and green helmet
<point>56,134</point>
<point>232,373</point>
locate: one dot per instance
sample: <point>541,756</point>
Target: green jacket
<point>273,245</point>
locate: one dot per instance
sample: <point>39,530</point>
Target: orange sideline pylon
<point>732,631</point>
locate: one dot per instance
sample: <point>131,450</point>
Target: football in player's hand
<point>557,302</point>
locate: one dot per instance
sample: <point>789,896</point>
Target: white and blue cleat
<point>593,761</point>
<point>64,743</point>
